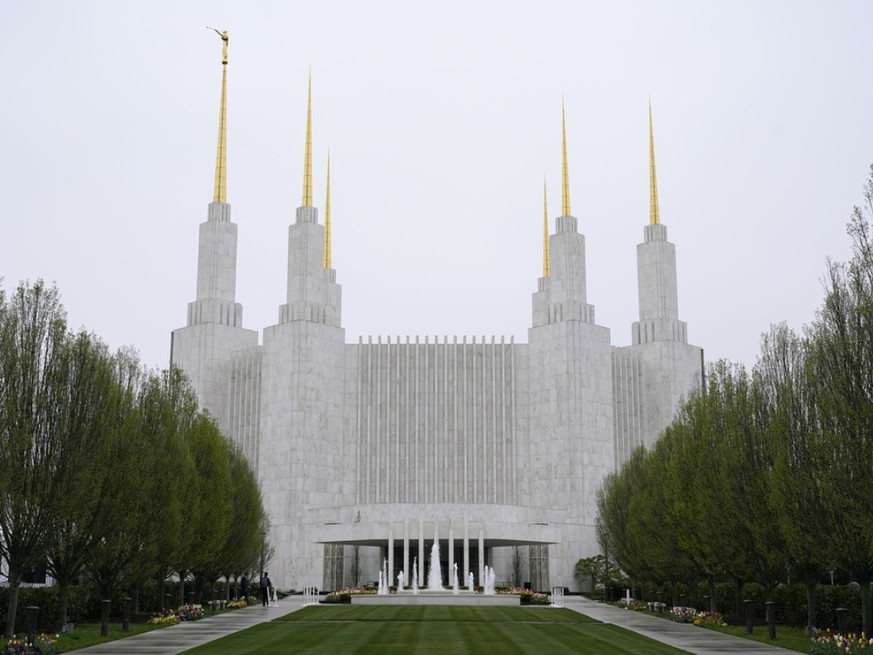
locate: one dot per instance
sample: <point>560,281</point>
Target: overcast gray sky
<point>441,119</point>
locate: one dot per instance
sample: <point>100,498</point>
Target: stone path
<point>179,638</point>
<point>686,636</point>
<point>188,634</point>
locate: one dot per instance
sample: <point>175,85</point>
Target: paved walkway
<point>188,634</point>
<point>179,638</point>
<point>686,636</point>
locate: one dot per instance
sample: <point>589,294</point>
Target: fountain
<point>488,583</point>
<point>434,576</point>
<point>434,593</point>
<point>383,581</point>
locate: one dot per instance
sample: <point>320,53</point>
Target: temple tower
<point>300,465</point>
<point>205,348</point>
<point>570,391</point>
<point>655,373</point>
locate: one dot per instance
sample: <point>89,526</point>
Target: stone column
<point>539,567</point>
<point>332,577</point>
<point>391,578</point>
<point>451,552</point>
<point>481,577</point>
<point>421,581</point>
<point>406,571</point>
<point>466,549</point>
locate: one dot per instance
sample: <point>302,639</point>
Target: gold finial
<point>545,231</point>
<point>327,218</point>
<point>654,213</point>
<point>220,194</point>
<point>565,175</point>
<point>307,156</point>
<point>224,43</point>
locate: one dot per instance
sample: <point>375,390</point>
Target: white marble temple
<point>368,451</point>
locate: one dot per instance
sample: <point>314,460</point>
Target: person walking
<point>244,588</point>
<point>265,589</point>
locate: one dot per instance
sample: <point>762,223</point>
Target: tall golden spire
<point>220,194</point>
<point>654,213</point>
<point>565,175</point>
<point>307,156</point>
<point>327,217</point>
<point>545,231</point>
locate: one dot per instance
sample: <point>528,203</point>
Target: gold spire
<point>654,213</point>
<point>220,194</point>
<point>545,231</point>
<point>307,156</point>
<point>565,175</point>
<point>327,217</point>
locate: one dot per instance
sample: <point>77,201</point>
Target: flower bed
<point>526,596</point>
<point>167,617</point>
<point>631,604</point>
<point>40,645</point>
<point>832,643</point>
<point>691,615</point>
<point>190,612</point>
<point>345,594</point>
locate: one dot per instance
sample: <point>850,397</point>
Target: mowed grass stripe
<point>394,629</point>
<point>437,613</point>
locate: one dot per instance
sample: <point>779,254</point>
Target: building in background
<point>371,451</point>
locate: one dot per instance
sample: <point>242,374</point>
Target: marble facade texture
<point>370,451</point>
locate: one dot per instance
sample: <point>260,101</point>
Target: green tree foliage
<point>209,497</point>
<point>94,416</point>
<point>109,468</point>
<point>244,537</point>
<point>768,473</point>
<point>841,357</point>
<point>33,389</point>
<point>788,390</point>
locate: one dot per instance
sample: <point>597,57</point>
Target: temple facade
<point>370,451</point>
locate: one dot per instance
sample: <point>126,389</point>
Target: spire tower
<point>220,194</point>
<point>565,175</point>
<point>545,231</point>
<point>327,263</point>
<point>307,156</point>
<point>654,212</point>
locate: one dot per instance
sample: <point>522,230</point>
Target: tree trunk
<point>182,575</point>
<point>811,589</point>
<point>63,601</point>
<point>865,607</point>
<point>161,586</point>
<point>12,606</point>
<point>712,599</point>
<point>738,597</point>
<point>136,589</point>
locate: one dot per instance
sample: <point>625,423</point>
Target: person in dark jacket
<point>244,588</point>
<point>265,589</point>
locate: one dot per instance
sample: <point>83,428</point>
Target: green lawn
<point>434,629</point>
<point>786,637</point>
<point>88,634</point>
